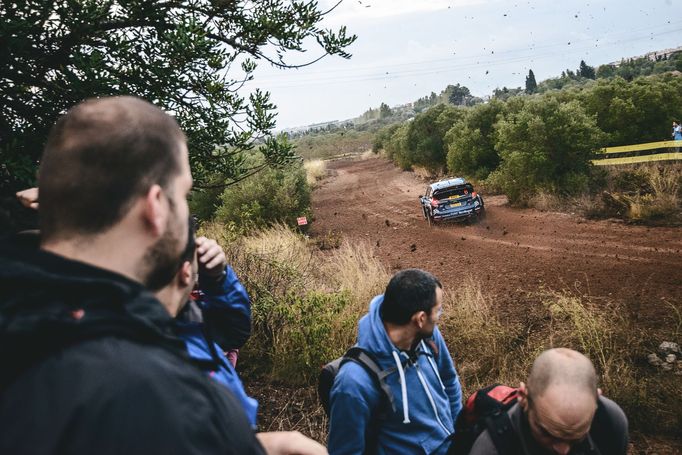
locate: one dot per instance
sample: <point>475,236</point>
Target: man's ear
<point>523,396</point>
<point>419,318</point>
<point>185,274</point>
<point>155,212</point>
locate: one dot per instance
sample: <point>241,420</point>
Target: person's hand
<point>29,198</point>
<point>289,443</point>
<point>212,260</point>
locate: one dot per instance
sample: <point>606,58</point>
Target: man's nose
<point>561,448</point>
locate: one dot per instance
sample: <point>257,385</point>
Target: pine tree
<point>531,84</point>
<point>586,70</point>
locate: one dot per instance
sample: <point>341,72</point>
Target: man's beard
<point>162,260</point>
<point>425,334</point>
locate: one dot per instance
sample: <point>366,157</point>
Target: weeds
<point>315,171</point>
<point>304,309</point>
<point>547,201</point>
<point>307,302</point>
<point>647,194</point>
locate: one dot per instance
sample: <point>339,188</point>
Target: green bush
<point>301,344</point>
<point>546,145</point>
<point>269,196</point>
<point>470,143</point>
<point>425,136</point>
<point>396,147</point>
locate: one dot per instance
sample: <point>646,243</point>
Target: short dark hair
<point>408,292</point>
<point>99,156</point>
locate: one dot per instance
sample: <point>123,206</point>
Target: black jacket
<point>90,365</point>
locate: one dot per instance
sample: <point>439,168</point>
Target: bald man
<point>561,411</point>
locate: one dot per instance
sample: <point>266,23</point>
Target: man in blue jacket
<point>218,319</point>
<point>401,332</point>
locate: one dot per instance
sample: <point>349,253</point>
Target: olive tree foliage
<point>546,145</point>
<point>190,57</point>
<point>634,112</point>
<point>470,143</point>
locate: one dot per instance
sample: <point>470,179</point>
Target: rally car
<point>451,199</point>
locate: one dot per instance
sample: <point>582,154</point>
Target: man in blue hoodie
<point>401,332</point>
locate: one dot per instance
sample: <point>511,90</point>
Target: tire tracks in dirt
<point>513,252</point>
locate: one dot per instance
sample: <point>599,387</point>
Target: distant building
<point>653,56</point>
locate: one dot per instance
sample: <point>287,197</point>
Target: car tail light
<point>473,195</point>
<point>434,202</point>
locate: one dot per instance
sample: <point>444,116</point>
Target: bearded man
<point>90,361</point>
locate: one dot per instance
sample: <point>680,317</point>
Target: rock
<point>388,223</point>
<point>667,366</point>
<point>679,365</point>
<point>654,360</point>
<point>668,347</point>
<point>413,248</point>
<point>671,358</point>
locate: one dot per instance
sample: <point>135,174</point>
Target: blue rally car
<point>451,199</point>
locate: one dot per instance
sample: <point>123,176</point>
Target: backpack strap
<point>367,361</point>
<point>502,433</point>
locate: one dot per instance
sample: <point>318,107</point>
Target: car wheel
<point>481,215</point>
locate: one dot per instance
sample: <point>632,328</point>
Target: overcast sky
<point>408,48</point>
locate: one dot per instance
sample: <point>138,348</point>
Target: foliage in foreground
<point>190,58</point>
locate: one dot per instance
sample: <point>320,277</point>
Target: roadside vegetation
<point>536,145</point>
<point>307,301</point>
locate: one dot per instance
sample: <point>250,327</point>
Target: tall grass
<point>645,193</point>
<point>307,302</point>
<point>315,171</point>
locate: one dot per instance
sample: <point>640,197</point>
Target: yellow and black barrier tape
<point>639,159</point>
<point>640,147</point>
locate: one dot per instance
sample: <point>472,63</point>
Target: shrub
<point>545,145</point>
<point>470,143</point>
<point>269,196</point>
<point>302,328</point>
<point>648,194</point>
<point>305,309</point>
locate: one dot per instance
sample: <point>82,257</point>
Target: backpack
<point>369,363</point>
<point>364,359</point>
<point>486,409</point>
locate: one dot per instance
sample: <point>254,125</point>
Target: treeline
<point>628,69</point>
<point>541,142</point>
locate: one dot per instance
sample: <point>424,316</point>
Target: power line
<point>387,75</point>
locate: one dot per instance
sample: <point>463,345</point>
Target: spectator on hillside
<point>677,131</point>
<point>401,332</point>
<point>77,313</point>
<point>561,411</point>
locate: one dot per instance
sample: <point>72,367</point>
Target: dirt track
<point>512,251</point>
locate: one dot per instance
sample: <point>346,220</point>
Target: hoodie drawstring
<point>403,386</point>
<point>433,366</point>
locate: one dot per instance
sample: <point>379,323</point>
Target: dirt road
<point>513,252</point>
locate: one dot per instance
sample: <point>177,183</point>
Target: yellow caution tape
<point>639,159</point>
<point>639,147</point>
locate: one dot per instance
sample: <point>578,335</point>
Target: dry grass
<point>315,170</point>
<point>548,202</point>
<point>306,304</point>
<point>648,193</point>
<point>369,154</point>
